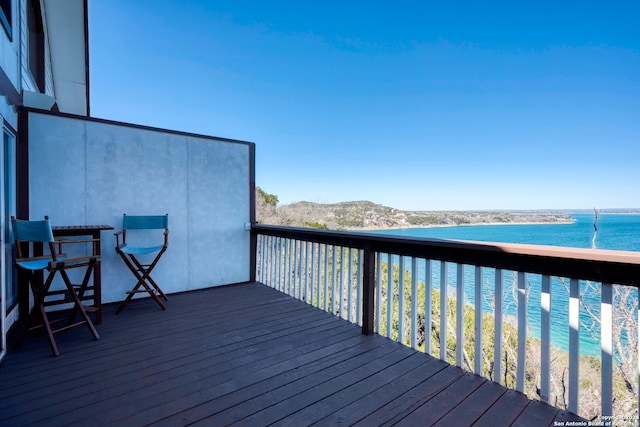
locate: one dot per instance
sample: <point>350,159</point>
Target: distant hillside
<point>367,215</point>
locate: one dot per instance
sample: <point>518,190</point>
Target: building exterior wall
<point>92,171</point>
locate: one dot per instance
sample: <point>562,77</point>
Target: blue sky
<point>412,104</point>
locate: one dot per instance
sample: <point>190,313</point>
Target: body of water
<point>615,231</point>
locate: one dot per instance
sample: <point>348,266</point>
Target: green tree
<point>268,199</point>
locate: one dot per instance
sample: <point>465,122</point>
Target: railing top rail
<point>619,267</point>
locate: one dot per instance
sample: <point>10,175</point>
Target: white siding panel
<point>85,172</point>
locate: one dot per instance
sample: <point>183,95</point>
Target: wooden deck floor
<point>249,355</point>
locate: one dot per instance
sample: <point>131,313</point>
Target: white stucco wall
<point>88,172</point>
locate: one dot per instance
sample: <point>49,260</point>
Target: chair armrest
<point>124,238</point>
<point>73,262</point>
<point>166,236</point>
<point>37,258</point>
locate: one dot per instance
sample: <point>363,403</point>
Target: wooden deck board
<point>483,397</point>
<point>412,399</point>
<point>249,355</point>
<point>441,404</point>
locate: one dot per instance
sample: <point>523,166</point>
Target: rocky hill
<point>362,215</point>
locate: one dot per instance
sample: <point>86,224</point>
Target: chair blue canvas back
<point>32,231</point>
<point>145,222</point>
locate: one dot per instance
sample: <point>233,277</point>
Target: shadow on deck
<point>250,355</point>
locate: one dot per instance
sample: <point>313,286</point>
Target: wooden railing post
<point>368,290</point>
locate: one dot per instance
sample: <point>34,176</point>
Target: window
<point>5,16</point>
<point>36,43</point>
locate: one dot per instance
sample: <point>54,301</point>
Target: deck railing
<point>366,278</point>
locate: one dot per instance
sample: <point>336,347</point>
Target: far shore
<point>410,226</point>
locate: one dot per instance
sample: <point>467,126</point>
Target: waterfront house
<point>58,160</point>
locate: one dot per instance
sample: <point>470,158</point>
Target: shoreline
<point>409,226</point>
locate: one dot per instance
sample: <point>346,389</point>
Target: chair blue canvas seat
<point>35,265</point>
<point>140,250</point>
<point>131,254</point>
<point>28,235</point>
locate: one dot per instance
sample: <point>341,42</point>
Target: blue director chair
<point>131,254</point>
<point>30,237</point>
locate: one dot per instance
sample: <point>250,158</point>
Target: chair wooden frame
<point>36,234</point>
<point>142,272</point>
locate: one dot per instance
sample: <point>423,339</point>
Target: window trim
<point>6,7</point>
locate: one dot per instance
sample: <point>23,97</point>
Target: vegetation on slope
<point>360,215</point>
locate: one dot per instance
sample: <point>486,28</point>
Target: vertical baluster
<point>297,277</point>
<point>263,258</point>
<point>443,310</point>
<point>312,273</point>
<point>574,343</point>
<point>309,272</point>
<point>294,267</point>
<point>326,277</point>
<point>297,264</point>
<point>349,287</point>
<point>269,260</point>
<point>401,301</point>
<point>359,285</point>
<point>545,338</point>
<point>259,257</point>
<point>459,315</point>
<point>285,263</point>
<point>606,347</point>
<point>305,271</point>
<point>261,247</point>
<point>284,268</point>
<point>297,267</point>
<point>379,293</point>
<point>288,260</point>
<point>275,259</point>
<point>389,294</point>
<point>497,351</point>
<point>478,320</point>
<point>275,251</point>
<point>319,275</point>
<point>334,276</point>
<point>414,303</point>
<point>278,270</point>
<point>522,331</point>
<point>290,267</point>
<point>302,270</point>
<point>427,307</point>
<point>342,268</point>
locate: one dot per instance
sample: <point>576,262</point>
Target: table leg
<point>97,275</point>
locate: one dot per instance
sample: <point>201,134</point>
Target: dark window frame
<point>8,131</point>
<point>35,48</point>
<point>5,17</point>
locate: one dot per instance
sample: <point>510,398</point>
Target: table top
<point>79,229</point>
